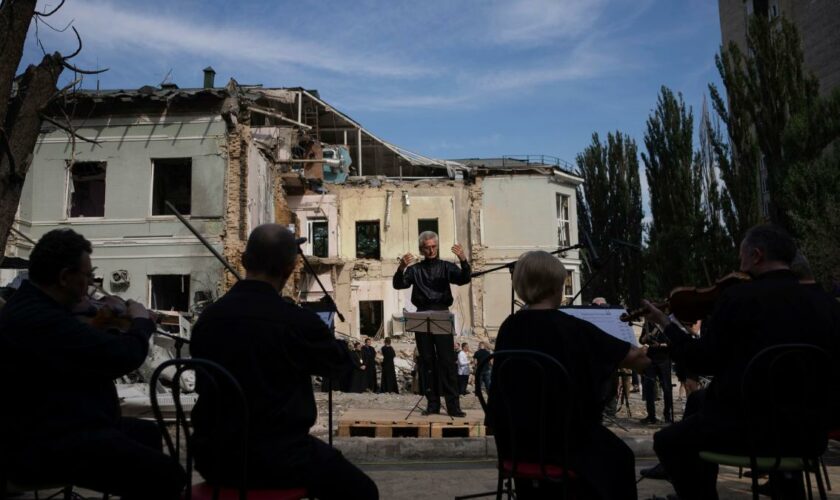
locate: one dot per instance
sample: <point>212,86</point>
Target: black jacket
<point>431,279</point>
<point>57,373</point>
<point>272,348</point>
<point>770,310</point>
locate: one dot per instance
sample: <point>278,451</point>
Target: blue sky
<point>448,79</point>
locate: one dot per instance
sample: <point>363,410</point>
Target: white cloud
<point>543,21</point>
<point>107,27</point>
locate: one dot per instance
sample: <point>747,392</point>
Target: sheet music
<point>605,318</point>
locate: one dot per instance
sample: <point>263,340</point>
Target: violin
<point>689,304</point>
<point>107,313</point>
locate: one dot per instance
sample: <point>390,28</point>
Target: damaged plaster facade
<point>239,156</point>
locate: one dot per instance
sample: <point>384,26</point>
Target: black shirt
<point>272,348</point>
<point>57,373</point>
<point>772,309</point>
<point>589,354</point>
<point>431,279</point>
<point>479,356</point>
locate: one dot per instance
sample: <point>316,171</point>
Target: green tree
<point>674,181</point>
<point>778,129</point>
<point>610,209</point>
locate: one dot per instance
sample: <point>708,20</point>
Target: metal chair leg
<point>808,481</point>
<point>825,473</point>
<point>820,486</point>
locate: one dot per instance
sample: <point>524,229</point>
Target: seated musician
<point>272,348</point>
<point>61,421</point>
<point>772,309</point>
<point>603,461</point>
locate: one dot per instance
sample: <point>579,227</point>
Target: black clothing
<point>659,371</point>
<point>369,358</point>
<point>389,374</point>
<point>59,373</point>
<point>770,310</point>
<point>358,378</point>
<point>479,356</point>
<point>440,376</point>
<point>654,336</point>
<point>119,460</point>
<point>591,357</point>
<point>463,382</point>
<point>272,348</point>
<point>431,279</point>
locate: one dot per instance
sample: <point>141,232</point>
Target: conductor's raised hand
<point>407,260</point>
<point>458,250</point>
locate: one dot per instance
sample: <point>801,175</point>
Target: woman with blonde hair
<point>603,463</point>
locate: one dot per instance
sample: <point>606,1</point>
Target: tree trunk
<point>20,112</point>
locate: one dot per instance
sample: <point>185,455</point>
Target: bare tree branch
<point>57,30</point>
<point>48,14</point>
<point>79,49</point>
<point>82,71</point>
<point>64,89</point>
<point>69,130</point>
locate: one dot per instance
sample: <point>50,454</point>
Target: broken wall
<point>128,237</point>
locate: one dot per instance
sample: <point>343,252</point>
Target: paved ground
<point>441,478</point>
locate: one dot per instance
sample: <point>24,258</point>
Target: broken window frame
<point>569,287</point>
<point>375,310</point>
<point>428,221</point>
<point>71,187</point>
<point>185,291</point>
<point>375,251</point>
<point>564,224</point>
<point>157,208</point>
<point>313,245</point>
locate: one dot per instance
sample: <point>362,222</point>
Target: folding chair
<point>777,411</point>
<point>517,422</point>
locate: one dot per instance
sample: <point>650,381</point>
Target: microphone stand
<point>511,265</point>
<point>332,305</point>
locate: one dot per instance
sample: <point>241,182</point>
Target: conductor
<point>431,278</point>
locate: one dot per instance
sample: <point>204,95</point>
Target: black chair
<point>783,401</point>
<point>216,376</point>
<point>520,422</point>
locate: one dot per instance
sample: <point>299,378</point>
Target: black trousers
<point>127,461</point>
<point>606,468</point>
<point>325,475</point>
<point>678,447</point>
<point>438,355</point>
<point>659,371</point>
<point>463,382</point>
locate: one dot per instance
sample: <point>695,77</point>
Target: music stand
<point>435,323</point>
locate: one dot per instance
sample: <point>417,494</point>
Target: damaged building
<point>231,158</point>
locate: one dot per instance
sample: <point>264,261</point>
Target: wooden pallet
<point>456,429</point>
<point>393,423</point>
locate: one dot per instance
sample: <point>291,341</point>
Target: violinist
<point>771,309</point>
<point>659,370</point>
<point>65,426</point>
<point>272,348</point>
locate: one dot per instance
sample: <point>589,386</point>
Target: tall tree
<point>610,209</point>
<point>717,244</point>
<point>24,100</point>
<point>675,184</point>
<point>776,164</point>
<point>764,88</point>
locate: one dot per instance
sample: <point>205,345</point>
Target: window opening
<point>427,225</point>
<point>170,292</point>
<point>173,183</point>
<point>563,223</point>
<point>319,237</point>
<point>367,239</point>
<point>87,189</point>
<point>370,317</point>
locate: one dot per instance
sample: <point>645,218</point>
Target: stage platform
<point>387,423</point>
